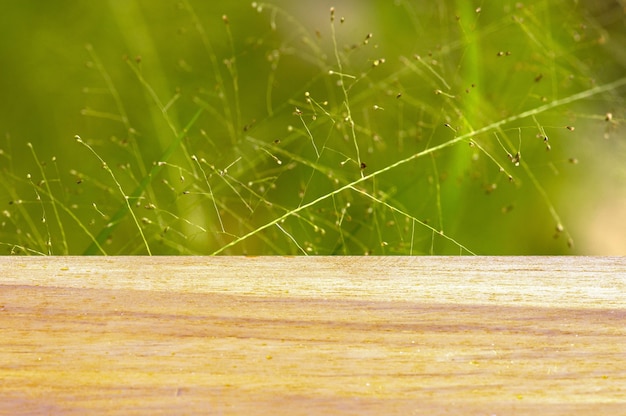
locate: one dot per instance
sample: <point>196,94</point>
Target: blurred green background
<point>253,87</point>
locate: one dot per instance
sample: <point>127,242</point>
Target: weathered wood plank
<point>321,335</point>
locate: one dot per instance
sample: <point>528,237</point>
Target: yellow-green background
<point>559,48</point>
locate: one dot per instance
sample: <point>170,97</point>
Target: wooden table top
<point>313,335</point>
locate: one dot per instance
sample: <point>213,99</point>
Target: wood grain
<point>317,335</point>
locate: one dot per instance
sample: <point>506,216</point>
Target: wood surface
<point>315,335</point>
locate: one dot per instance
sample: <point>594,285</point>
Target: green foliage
<point>297,128</point>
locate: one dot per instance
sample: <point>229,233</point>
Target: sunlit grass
<point>292,136</point>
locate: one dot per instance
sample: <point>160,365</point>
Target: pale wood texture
<point>317,335</point>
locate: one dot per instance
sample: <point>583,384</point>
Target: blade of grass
<point>46,184</point>
<point>566,100</point>
<point>140,189</point>
<point>119,187</point>
<point>47,192</point>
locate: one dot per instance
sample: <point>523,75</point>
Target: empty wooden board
<point>315,335</point>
